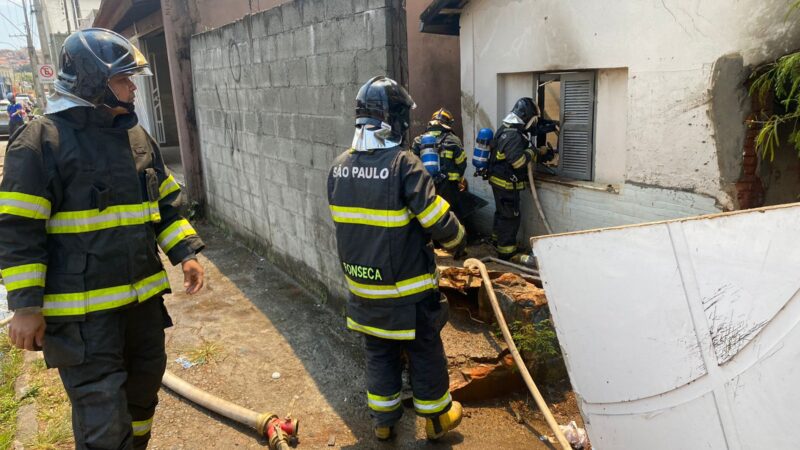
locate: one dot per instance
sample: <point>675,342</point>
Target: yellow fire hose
<point>473,263</point>
<point>536,198</point>
<point>266,424</point>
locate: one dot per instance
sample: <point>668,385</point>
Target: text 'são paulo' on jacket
<point>386,211</point>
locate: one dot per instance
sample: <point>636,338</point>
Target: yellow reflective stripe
<point>461,158</point>
<point>519,162</point>
<point>433,212</point>
<point>506,249</point>
<point>398,335</point>
<point>447,154</point>
<point>383,403</point>
<point>500,156</point>
<point>168,187</point>
<point>499,182</point>
<point>80,303</point>
<point>173,234</point>
<point>28,275</point>
<point>374,217</point>
<point>66,222</point>
<point>432,406</point>
<point>456,240</point>
<point>142,427</point>
<point>403,288</point>
<point>24,205</point>
<point>454,176</point>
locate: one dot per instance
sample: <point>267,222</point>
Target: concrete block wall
<point>274,95</point>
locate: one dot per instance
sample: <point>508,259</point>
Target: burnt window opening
<point>568,97</point>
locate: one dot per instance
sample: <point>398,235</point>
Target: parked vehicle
<point>3,117</point>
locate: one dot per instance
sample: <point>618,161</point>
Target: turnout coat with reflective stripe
<point>386,211</point>
<point>85,201</point>
<point>453,159</point>
<point>508,164</point>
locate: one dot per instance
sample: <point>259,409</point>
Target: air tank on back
<point>429,155</point>
<point>480,156</point>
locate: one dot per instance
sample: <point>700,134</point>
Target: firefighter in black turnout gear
<point>450,182</point>
<point>512,149</point>
<point>85,203</point>
<point>385,209</point>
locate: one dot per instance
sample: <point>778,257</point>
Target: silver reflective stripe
<point>384,404</point>
<point>392,290</point>
<point>24,276</point>
<point>440,205</point>
<point>90,301</point>
<point>102,218</point>
<point>41,209</point>
<point>405,217</point>
<point>149,286</point>
<point>168,239</point>
<point>433,407</point>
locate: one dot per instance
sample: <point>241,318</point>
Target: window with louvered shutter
<point>576,142</point>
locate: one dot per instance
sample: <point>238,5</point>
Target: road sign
<point>46,73</point>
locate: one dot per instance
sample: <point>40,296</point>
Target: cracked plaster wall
<point>684,100</point>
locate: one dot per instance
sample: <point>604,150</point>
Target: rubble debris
<point>485,381</point>
<point>575,435</point>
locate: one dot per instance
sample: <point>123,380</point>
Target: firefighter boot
<point>438,426</point>
<point>384,433</point>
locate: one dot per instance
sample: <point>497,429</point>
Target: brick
<point>303,42</point>
<point>274,22</point>
<point>285,46</point>
<point>313,11</point>
<point>292,15</point>
<point>371,63</point>
<point>338,8</point>
<point>318,67</point>
<point>326,37</point>
<point>298,75</point>
<point>343,68</point>
<point>279,74</point>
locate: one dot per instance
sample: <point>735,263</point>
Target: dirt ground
<point>253,321</point>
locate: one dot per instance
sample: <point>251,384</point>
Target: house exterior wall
<point>670,100</point>
<point>274,95</point>
<point>433,71</point>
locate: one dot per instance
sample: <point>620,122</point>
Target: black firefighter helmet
<point>90,57</point>
<point>527,110</point>
<point>383,104</point>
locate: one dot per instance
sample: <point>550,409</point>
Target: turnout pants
<point>506,221</point>
<point>448,190</point>
<point>111,366</point>
<point>428,367</point>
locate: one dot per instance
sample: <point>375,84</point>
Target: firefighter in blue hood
<point>386,211</point>
<point>85,203</point>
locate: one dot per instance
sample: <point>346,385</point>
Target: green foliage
<point>780,79</point>
<point>10,366</point>
<point>537,339</point>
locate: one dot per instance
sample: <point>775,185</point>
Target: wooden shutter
<point>576,142</point>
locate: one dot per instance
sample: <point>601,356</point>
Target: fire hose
<point>473,263</point>
<point>536,198</point>
<point>276,430</point>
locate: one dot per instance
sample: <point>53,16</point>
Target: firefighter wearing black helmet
<point>450,182</point>
<point>85,203</point>
<point>386,211</point>
<point>512,149</point>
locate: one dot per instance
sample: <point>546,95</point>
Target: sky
<point>12,9</point>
